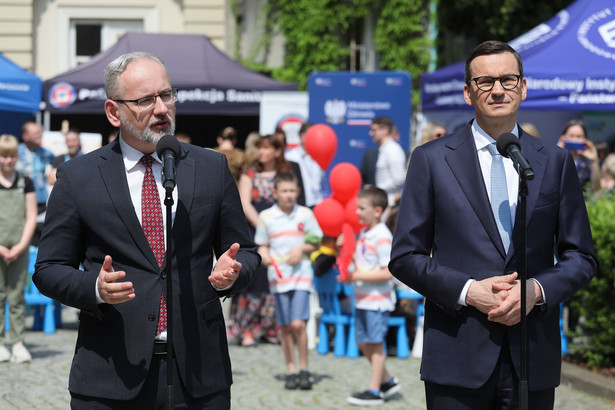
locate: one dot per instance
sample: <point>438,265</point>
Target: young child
<point>374,295</point>
<point>286,234</point>
<point>18,212</point>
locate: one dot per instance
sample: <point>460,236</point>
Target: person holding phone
<point>574,139</point>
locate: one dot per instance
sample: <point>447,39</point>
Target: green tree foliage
<point>316,34</point>
<point>401,38</point>
<point>596,302</point>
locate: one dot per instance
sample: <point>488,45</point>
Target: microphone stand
<point>168,202</point>
<point>523,389</point>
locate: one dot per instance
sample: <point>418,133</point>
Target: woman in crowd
<point>574,139</point>
<point>252,311</point>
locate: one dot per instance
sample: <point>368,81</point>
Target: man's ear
<point>466,95</point>
<point>112,110</point>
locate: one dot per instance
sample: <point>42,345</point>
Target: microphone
<point>167,150</point>
<point>508,146</point>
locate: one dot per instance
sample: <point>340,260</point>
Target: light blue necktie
<point>499,196</point>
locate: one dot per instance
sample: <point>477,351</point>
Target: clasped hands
<point>498,297</point>
<point>111,291</point>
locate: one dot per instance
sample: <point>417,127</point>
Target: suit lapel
<point>463,161</point>
<point>112,170</point>
<point>185,191</point>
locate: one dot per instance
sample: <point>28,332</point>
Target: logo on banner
<point>323,82</point>
<point>335,111</point>
<point>358,82</point>
<point>62,95</point>
<point>291,124</point>
<point>541,33</point>
<point>598,30</point>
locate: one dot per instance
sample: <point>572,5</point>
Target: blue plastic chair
<point>408,294</point>
<point>328,289</point>
<point>561,330</point>
<point>47,312</point>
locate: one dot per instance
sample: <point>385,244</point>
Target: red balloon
<point>347,251</point>
<point>330,216</point>
<point>321,144</point>
<point>350,211</point>
<point>345,181</point>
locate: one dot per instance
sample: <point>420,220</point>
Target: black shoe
<point>292,381</point>
<point>305,380</point>
<point>390,388</point>
<point>366,398</point>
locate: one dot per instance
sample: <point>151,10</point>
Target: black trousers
<point>500,392</point>
<point>153,395</point>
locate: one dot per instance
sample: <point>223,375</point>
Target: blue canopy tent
<point>20,96</point>
<point>569,64</point>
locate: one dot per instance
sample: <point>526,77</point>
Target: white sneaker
<point>5,355</point>
<point>20,354</point>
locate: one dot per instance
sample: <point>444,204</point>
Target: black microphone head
<point>504,141</point>
<point>167,142</point>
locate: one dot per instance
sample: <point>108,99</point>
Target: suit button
<point>151,317</point>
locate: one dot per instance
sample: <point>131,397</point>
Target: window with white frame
<point>88,30</point>
<point>89,37</point>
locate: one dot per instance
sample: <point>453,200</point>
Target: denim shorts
<point>293,305</point>
<point>371,325</point>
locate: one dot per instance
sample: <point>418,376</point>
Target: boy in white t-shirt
<point>286,234</point>
<point>374,295</point>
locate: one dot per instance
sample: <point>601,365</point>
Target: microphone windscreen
<point>167,142</point>
<point>504,141</point>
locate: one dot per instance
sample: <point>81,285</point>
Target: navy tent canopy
<point>210,83</point>
<point>20,90</point>
<point>568,61</point>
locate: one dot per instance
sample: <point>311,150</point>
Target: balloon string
<point>275,266</point>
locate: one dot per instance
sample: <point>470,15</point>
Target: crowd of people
<point>256,232</point>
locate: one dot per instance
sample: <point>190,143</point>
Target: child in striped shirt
<point>286,234</point>
<point>374,295</point>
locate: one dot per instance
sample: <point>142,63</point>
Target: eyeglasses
<point>145,103</point>
<point>486,83</point>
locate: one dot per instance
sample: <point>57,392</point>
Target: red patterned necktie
<point>153,226</point>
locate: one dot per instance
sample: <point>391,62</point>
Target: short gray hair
<point>118,66</point>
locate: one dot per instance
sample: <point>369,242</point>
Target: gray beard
<point>147,135</point>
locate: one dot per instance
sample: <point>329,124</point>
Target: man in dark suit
<point>95,218</point>
<point>471,348</point>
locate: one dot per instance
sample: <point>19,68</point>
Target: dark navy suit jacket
<point>445,209</point>
<point>90,214</point>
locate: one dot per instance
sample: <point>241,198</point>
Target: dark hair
<point>75,130</point>
<point>277,141</point>
<point>377,196</point>
<point>572,123</point>
<point>285,177</point>
<point>489,48</point>
<point>304,127</point>
<point>385,122</point>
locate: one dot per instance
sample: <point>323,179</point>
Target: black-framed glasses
<point>486,83</point>
<point>145,103</point>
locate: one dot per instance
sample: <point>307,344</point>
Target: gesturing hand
<point>227,269</point>
<point>109,289</point>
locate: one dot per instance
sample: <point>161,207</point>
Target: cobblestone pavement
<point>258,375</point>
